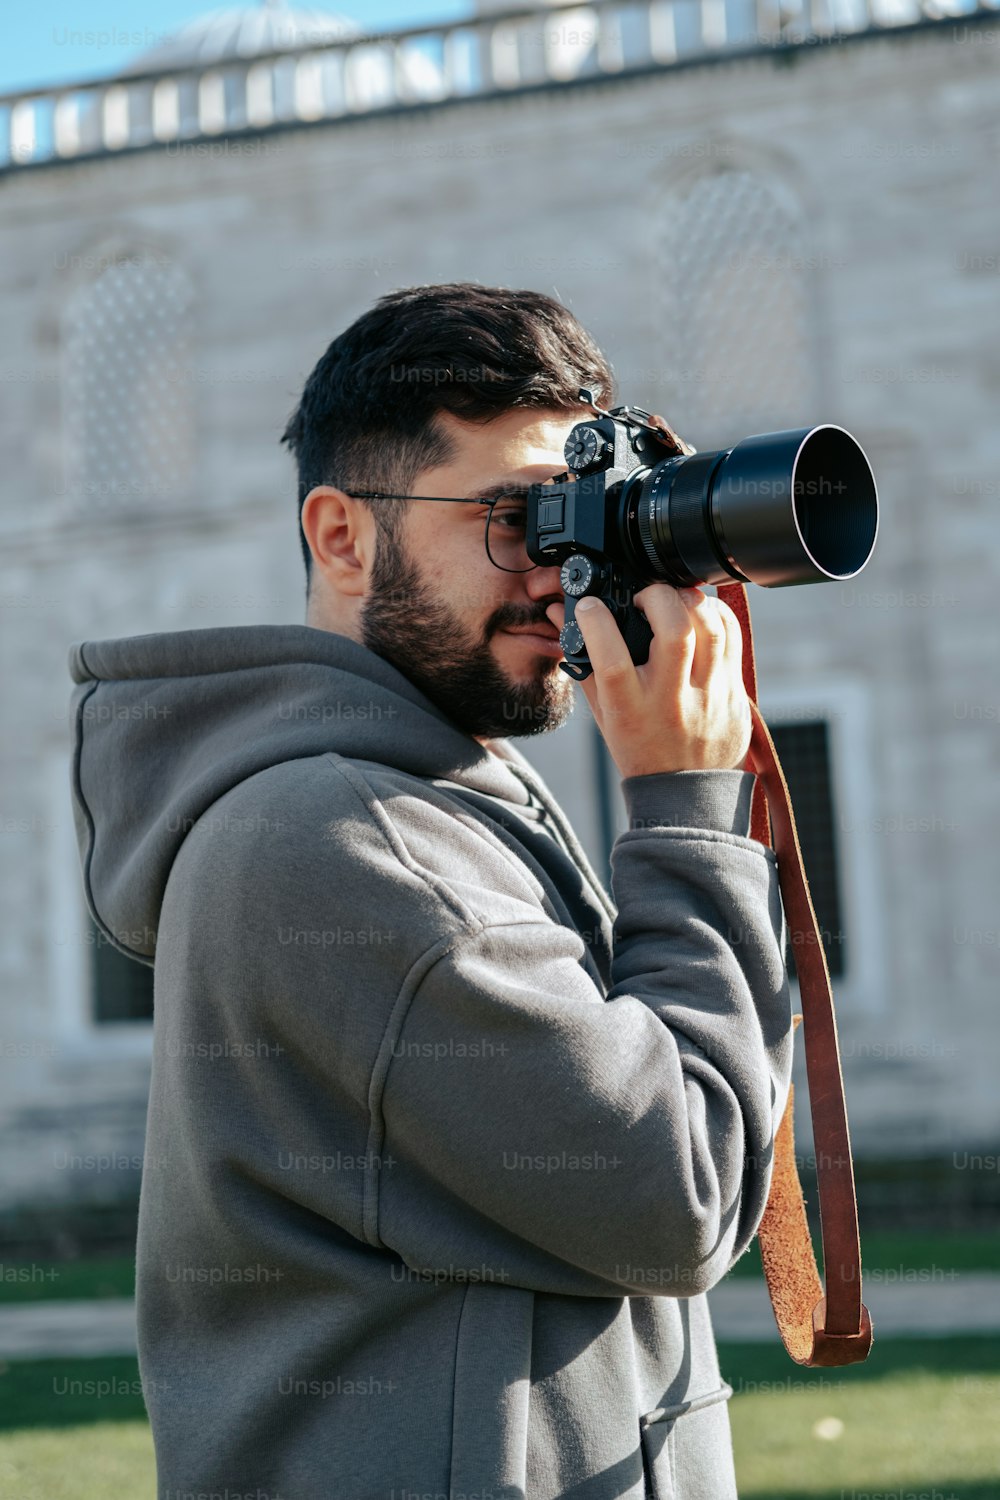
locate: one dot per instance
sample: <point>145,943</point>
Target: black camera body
<point>780,508</point>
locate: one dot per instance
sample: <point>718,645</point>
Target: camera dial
<point>583,448</point>
<point>571,639</point>
<point>577,575</point>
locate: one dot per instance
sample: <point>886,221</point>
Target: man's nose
<point>543,583</point>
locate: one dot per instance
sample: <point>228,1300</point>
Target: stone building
<point>768,217</point>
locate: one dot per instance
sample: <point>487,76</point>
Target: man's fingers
<point>734,634</point>
<point>689,640</point>
<point>685,707</point>
<point>691,637</point>
<point>712,641</point>
<point>617,684</point>
<point>671,621</point>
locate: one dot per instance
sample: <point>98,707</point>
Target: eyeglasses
<point>506,523</point>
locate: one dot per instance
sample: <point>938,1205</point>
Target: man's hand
<point>686,708</point>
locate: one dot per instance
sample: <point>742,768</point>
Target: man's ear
<point>341,536</point>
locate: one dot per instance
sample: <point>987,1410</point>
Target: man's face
<point>454,624</point>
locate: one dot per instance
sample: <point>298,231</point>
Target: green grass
<point>112,1461</point>
<point>919,1420</point>
<point>61,1441</point>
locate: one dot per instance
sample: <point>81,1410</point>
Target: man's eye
<point>510,513</point>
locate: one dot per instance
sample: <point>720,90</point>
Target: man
<point>444,1146</point>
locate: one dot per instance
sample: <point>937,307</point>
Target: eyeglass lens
<point>506,531</point>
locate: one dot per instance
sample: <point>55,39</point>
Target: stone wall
<point>874,242</point>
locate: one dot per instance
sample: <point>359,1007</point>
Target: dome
<point>242,31</point>
<point>373,75</point>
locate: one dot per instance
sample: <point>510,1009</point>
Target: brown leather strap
<point>834,1328</point>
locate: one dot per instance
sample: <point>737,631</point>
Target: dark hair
<point>366,417</point>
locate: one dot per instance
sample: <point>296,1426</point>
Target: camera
<point>779,508</point>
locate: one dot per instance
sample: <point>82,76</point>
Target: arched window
<point>127,382</point>
<point>734,343</point>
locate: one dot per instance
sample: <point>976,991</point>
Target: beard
<point>403,621</point>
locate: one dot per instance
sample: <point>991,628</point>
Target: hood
<point>165,724</point>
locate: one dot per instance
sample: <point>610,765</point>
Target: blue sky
<point>59,40</point>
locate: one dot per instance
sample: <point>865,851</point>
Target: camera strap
<point>817,1326</point>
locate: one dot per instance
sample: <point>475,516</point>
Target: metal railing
<point>367,74</point>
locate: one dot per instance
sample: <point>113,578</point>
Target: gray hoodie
<point>444,1147</point>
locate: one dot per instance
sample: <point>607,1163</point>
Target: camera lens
<point>779,508</point>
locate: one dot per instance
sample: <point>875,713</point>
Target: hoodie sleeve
<point>537,1133</point>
